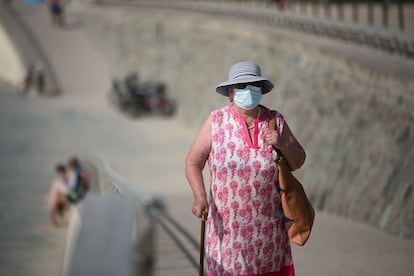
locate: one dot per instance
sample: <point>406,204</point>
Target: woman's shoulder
<point>221,111</point>
<point>269,110</point>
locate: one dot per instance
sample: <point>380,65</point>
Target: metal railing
<point>372,12</point>
<point>368,9</point>
<point>379,38</point>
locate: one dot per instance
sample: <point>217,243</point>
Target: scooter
<point>138,99</point>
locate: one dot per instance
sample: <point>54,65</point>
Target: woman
<point>56,198</point>
<point>245,228</point>
<point>56,12</point>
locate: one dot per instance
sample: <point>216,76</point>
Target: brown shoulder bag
<point>296,206</point>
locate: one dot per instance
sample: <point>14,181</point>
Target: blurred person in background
<point>282,4</point>
<point>78,184</point>
<point>245,232</point>
<point>7,3</point>
<point>56,12</point>
<point>56,198</point>
<point>27,81</point>
<point>40,78</point>
<point>34,77</point>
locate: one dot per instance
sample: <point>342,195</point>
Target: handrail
<point>110,182</point>
<point>114,195</point>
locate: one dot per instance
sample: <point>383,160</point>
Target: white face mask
<point>248,97</point>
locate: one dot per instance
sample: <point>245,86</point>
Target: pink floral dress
<point>245,232</point>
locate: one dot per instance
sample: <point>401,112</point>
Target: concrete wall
<point>20,51</point>
<point>356,125</point>
<point>12,68</point>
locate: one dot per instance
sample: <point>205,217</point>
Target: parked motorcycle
<point>135,98</point>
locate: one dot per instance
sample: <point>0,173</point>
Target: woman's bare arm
<point>292,150</point>
<point>287,143</point>
<point>194,165</point>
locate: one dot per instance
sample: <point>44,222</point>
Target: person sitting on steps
<point>56,198</point>
<point>79,181</point>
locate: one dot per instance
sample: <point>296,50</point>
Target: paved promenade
<point>37,132</point>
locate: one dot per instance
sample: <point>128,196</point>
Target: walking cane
<point>203,230</point>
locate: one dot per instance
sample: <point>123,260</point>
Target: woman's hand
<point>289,146</point>
<point>199,206</point>
<point>272,138</point>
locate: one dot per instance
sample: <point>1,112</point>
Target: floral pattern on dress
<point>245,229</point>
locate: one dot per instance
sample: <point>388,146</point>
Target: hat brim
<point>223,88</point>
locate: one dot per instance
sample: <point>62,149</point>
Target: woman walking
<point>245,233</point>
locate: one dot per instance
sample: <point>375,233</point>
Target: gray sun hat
<point>244,72</point>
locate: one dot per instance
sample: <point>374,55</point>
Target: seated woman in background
<point>56,199</point>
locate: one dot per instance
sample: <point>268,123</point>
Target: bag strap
<point>272,124</point>
<point>272,120</point>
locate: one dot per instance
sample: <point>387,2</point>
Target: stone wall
<point>19,51</point>
<point>356,126</point>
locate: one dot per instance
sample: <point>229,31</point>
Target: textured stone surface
<point>355,123</point>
